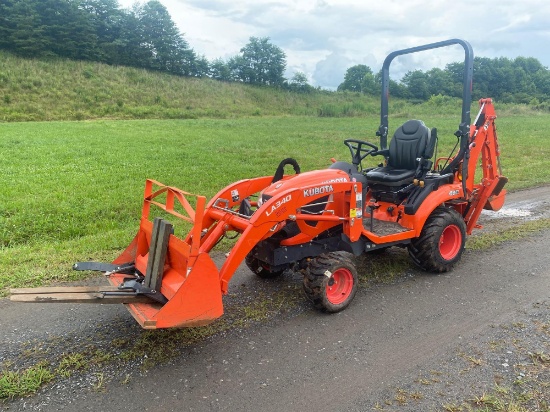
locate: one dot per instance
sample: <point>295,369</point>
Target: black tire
<point>441,242</point>
<point>330,282</point>
<point>260,268</point>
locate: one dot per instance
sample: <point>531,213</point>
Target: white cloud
<point>516,22</point>
<point>330,71</point>
<point>323,37</point>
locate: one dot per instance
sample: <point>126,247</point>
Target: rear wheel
<point>441,243</point>
<point>260,268</point>
<point>330,282</point>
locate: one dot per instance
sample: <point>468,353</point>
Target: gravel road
<point>420,343</point>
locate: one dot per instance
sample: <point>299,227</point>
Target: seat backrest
<point>409,143</point>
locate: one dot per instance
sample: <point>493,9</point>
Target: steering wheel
<point>358,151</point>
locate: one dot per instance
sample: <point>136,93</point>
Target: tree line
<point>142,36</point>
<point>145,36</point>
<point>519,80</point>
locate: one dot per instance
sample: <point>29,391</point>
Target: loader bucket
<point>188,281</point>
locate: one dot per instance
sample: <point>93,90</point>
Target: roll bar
<point>464,127</point>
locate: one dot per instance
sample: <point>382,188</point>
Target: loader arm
<point>189,279</point>
<point>273,215</point>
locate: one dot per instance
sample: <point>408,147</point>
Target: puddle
<point>513,213</point>
<point>523,209</point>
<point>508,212</point>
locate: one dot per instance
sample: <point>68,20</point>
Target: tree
<point>398,90</point>
<point>529,64</point>
<point>7,25</point>
<point>237,68</point>
<point>200,67</point>
<point>260,63</point>
<point>144,36</point>
<point>542,82</point>
<point>370,85</point>
<point>68,29</point>
<point>127,46</point>
<point>168,50</point>
<point>300,83</point>
<point>354,78</point>
<point>24,28</point>
<point>439,82</point>
<point>106,20</point>
<point>219,70</point>
<point>417,84</point>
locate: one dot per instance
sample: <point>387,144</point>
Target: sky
<point>323,38</point>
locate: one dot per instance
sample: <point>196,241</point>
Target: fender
<point>438,197</point>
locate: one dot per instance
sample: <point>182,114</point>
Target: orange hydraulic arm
<point>189,280</point>
<point>488,193</point>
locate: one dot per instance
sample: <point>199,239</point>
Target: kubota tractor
<point>304,221</point>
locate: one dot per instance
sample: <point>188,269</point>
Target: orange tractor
<point>304,221</point>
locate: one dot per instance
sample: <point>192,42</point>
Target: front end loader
<point>310,222</point>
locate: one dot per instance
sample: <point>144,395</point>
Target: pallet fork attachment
<point>163,281</point>
<point>185,277</point>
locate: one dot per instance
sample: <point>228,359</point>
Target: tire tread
<point>424,250</point>
<point>315,280</point>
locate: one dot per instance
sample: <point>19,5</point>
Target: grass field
<point>60,89</point>
<point>72,190</point>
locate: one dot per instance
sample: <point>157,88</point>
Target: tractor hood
<point>316,181</point>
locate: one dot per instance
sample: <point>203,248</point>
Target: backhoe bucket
<point>184,283</point>
<point>496,200</point>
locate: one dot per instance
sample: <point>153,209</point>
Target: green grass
<point>58,89</point>
<point>20,383</point>
<point>34,90</point>
<point>72,190</point>
<point>518,231</point>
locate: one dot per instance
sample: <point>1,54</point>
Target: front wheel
<point>441,242</point>
<point>330,282</point>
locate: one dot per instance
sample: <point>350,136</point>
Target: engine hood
<point>313,178</point>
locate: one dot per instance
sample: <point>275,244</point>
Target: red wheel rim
<point>340,286</point>
<point>450,242</point>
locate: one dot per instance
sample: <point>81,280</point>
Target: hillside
<point>61,89</point>
<point>38,90</point>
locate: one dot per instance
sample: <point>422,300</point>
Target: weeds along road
<point>420,343</point>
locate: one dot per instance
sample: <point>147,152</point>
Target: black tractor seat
<point>388,176</point>
<point>408,156</point>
